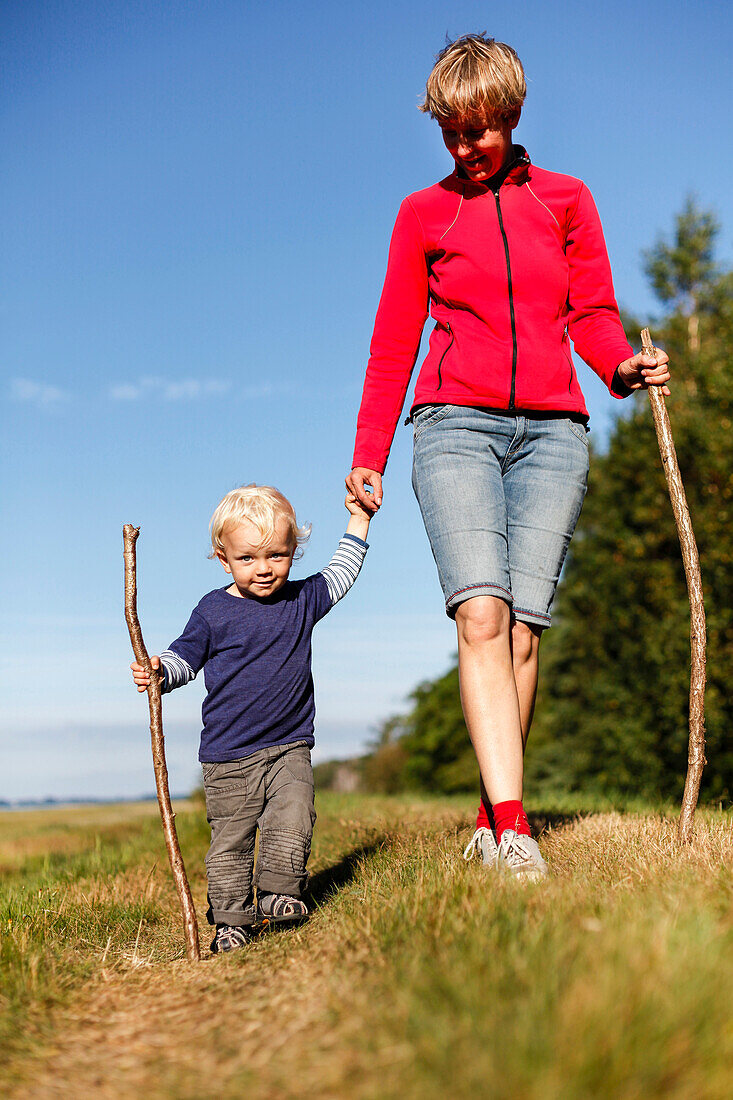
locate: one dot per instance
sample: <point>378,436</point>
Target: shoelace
<point>515,853</point>
<point>474,842</point>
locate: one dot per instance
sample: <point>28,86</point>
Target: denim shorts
<point>500,496</point>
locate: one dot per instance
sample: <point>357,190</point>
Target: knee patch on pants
<point>282,861</point>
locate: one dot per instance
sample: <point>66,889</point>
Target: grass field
<point>417,976</point>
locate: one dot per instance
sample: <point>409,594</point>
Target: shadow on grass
<point>540,821</point>
<point>325,884</point>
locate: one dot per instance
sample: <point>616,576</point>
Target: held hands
<point>356,484</point>
<point>359,518</point>
<point>643,371</point>
<point>140,676</point>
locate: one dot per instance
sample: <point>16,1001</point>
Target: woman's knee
<point>525,641</point>
<point>482,619</point>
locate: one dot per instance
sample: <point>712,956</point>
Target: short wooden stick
<point>696,742</point>
<point>190,923</point>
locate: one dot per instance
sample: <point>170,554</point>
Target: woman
<point>512,262</point>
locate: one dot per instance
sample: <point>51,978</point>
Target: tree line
<point>614,669</point>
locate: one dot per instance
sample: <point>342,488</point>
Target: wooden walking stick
<point>190,924</point>
<point>696,745</point>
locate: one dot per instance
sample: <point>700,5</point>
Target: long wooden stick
<point>696,744</point>
<point>190,924</point>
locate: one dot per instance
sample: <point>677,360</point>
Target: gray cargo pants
<point>272,789</point>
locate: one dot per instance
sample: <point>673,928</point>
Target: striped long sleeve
<point>344,566</point>
<point>177,671</point>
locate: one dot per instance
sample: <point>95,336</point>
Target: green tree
<point>428,748</point>
<point>613,702</point>
<point>680,272</point>
<point>383,767</point>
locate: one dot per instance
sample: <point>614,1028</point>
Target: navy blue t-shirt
<point>256,656</point>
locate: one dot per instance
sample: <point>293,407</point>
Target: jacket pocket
<point>445,352</point>
<point>569,359</point>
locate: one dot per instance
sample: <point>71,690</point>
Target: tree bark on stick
<point>696,744</point>
<point>190,923</point>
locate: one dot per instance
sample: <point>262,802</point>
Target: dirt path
<point>175,1030</point>
<point>255,1020</point>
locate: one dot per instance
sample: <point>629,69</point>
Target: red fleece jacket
<point>509,271</point>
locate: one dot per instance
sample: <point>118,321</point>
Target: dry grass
<point>418,975</point>
<point>65,830</point>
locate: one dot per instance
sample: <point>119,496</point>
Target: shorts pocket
<point>578,430</point>
<point>427,416</point>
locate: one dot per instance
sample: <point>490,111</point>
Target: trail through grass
<point>418,975</point>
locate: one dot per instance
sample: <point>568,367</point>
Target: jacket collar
<point>516,172</point>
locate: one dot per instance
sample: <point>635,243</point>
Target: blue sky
<point>195,208</point>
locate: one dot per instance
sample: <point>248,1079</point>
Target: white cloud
<point>36,393</point>
<point>184,389</point>
<point>190,389</point>
<point>124,393</point>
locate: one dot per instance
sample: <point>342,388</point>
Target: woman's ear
<point>513,118</point>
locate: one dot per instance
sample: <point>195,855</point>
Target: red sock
<point>485,817</point>
<point>511,815</point>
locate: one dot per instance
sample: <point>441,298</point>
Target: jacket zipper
<point>440,364</point>
<point>511,300</point>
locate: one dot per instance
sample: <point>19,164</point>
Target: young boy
<point>253,640</point>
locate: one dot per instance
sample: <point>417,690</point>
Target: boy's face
<point>257,571</point>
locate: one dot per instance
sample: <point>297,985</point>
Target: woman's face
<point>480,148</point>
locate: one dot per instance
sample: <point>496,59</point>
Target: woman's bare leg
<point>525,646</point>
<point>525,661</point>
<point>491,705</point>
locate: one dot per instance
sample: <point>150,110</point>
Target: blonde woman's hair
<point>262,506</point>
<point>475,77</point>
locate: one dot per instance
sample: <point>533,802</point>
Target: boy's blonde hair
<point>475,78</point>
<point>262,506</point>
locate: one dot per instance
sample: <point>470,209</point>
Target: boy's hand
<point>359,518</point>
<point>355,507</point>
<point>140,676</point>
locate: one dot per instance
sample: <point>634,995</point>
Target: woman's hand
<point>140,676</point>
<point>643,371</point>
<point>356,484</point>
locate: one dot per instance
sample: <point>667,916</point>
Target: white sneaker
<point>520,856</point>
<point>483,842</point>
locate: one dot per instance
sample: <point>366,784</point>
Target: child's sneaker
<point>230,937</point>
<point>483,842</point>
<point>281,908</point>
<point>520,856</point>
